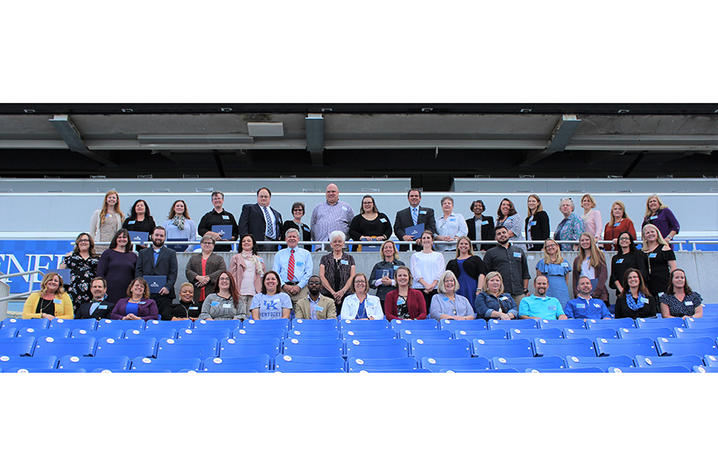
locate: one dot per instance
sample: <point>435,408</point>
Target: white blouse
<point>427,266</point>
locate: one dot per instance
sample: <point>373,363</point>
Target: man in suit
<point>261,221</point>
<point>412,216</point>
<point>99,307</point>
<point>159,260</point>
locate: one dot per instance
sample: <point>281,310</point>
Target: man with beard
<point>510,262</point>
<point>159,261</point>
<point>315,306</point>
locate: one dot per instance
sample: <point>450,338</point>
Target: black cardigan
<point>647,311</point>
<point>473,266</point>
<point>539,231</point>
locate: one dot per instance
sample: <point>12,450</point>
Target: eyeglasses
<point>83,240</point>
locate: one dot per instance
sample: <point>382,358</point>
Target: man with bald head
<point>539,305</point>
<point>332,215</point>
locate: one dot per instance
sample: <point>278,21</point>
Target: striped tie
<point>290,267</point>
<point>269,232</point>
<point>415,215</point>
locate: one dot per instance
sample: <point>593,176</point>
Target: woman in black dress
<point>369,224</point>
<point>626,257</point>
<point>661,260</point>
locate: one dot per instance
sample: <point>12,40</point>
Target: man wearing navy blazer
<point>158,259</point>
<point>261,221</point>
<point>413,215</point>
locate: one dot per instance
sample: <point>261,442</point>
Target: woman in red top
<point>404,302</point>
<point>619,223</point>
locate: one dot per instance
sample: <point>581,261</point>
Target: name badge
<point>344,262</point>
<point>517,255</point>
<point>102,307</point>
<point>226,218</point>
<point>644,300</point>
<point>452,219</point>
<point>484,222</point>
<point>227,305</point>
<point>141,303</point>
<point>564,264</point>
<point>213,304</point>
<point>503,298</point>
<point>423,211</point>
<point>551,307</point>
<point>277,301</point>
<point>580,305</point>
<point>532,223</point>
<point>300,263</point>
<point>131,222</point>
<point>660,293</point>
<point>653,217</point>
<point>615,225</point>
<point>193,308</point>
<point>689,303</point>
<point>446,299</point>
<point>396,267</point>
<point>56,301</point>
<point>318,308</point>
<point>652,255</point>
<point>619,261</point>
<point>597,305</point>
<point>382,220</point>
<point>108,216</point>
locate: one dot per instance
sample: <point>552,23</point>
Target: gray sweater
<point>219,308</point>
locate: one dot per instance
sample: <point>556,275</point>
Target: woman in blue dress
<point>469,270</point>
<point>555,267</point>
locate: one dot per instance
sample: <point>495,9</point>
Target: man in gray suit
<point>159,260</point>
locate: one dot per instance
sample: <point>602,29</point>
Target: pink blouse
<point>592,223</point>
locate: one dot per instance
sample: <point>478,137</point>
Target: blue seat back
<point>563,347</point>
<point>131,348</point>
<point>246,364</point>
<point>307,325</point>
<point>481,334</point>
<point>603,362</point>
<point>710,360</point>
<point>645,332</point>
<point>376,349</point>
<point>261,331</point>
<point>106,332</point>
<point>368,333</point>
<point>232,325</point>
<point>199,347</point>
<point>176,324</point>
<point>631,348</point>
<point>23,346</point>
<point>586,369</point>
<point>351,324</point>
<point>428,324</point>
<point>660,323</point>
<point>711,332</point>
<point>522,363</point>
<point>9,332</point>
<point>515,323</point>
<point>281,323</point>
<point>420,348</point>
<point>92,363</point>
<point>575,323</point>
<point>571,333</point>
<point>157,333</point>
<point>684,360</point>
<point>80,346</point>
<point>240,348</point>
<point>701,322</point>
<point>89,324</point>
<point>651,369</point>
<point>378,365</point>
<point>36,323</point>
<point>309,364</point>
<point>203,332</point>
<point>440,365</point>
<point>40,364</point>
<point>614,323</point>
<point>477,324</point>
<point>506,348</point>
<point>56,333</point>
<point>530,333</point>
<point>123,324</point>
<point>296,347</point>
<point>152,365</point>
<point>702,345</point>
<point>413,335</point>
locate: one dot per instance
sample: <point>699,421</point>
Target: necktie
<point>415,215</point>
<point>269,232</point>
<point>290,267</point>
<point>155,257</point>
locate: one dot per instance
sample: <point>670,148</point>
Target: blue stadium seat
<point>420,348</point>
<point>176,324</point>
<point>413,335</point>
<point>295,347</point>
<point>131,348</point>
<point>369,333</point>
<point>603,362</point>
<point>575,323</point>
<point>441,365</point>
<point>710,360</point>
<point>107,332</point>
<point>314,332</point>
<point>309,364</point>
<point>203,332</point>
<point>481,334</point>
<point>614,323</point>
<point>694,332</point>
<point>304,324</point>
<point>174,365</point>
<point>123,324</point>
<point>261,331</point>
<point>156,332</point>
<point>684,360</point>
<point>506,348</point>
<point>232,325</point>
<point>281,323</point>
<point>710,310</point>
<point>651,369</point>
<point>701,322</point>
<point>515,323</point>
<point>563,347</point>
<point>239,348</point>
<point>587,369</point>
<point>686,346</point>
<point>17,346</point>
<point>522,363</point>
<point>9,332</point>
<point>92,363</point>
<point>703,369</point>
<point>670,323</point>
<point>428,324</point>
<point>89,324</point>
<point>477,324</point>
<point>376,349</point>
<point>41,364</point>
<point>572,333</point>
<point>351,324</point>
<point>638,346</point>
<point>379,365</point>
<point>198,347</point>
<point>245,364</point>
<point>80,346</point>
<point>36,323</point>
<point>530,333</point>
<point>645,332</point>
<point>56,333</point>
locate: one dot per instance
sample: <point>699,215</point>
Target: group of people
<point>120,283</point>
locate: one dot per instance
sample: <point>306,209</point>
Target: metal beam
<point>71,136</point>
<point>560,137</point>
<point>314,131</point>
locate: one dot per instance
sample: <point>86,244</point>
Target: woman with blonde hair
<point>618,223</point>
<point>591,216</point>
<point>383,275</point>
<point>469,269</point>
<point>51,301</point>
<point>661,217</point>
<point>448,304</point>
<point>105,222</point>
<point>493,302</point>
<point>556,269</point>
<point>661,259</point>
<point>591,263</point>
<point>537,224</point>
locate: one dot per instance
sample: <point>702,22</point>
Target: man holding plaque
<point>412,221</point>
<point>157,264</point>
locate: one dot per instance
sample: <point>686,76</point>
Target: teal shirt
<point>548,308</point>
